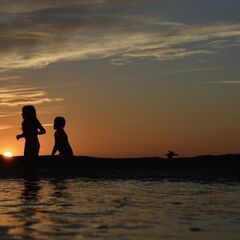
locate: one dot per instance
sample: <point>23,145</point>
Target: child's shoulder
<point>59,132</point>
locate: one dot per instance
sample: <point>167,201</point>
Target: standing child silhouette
<point>31,128</point>
<point>61,139</point>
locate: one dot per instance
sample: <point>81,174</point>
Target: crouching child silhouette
<point>61,139</point>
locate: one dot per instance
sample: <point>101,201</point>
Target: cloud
<point>34,34</point>
<point>48,125</point>
<point>5,127</point>
<point>230,82</point>
<point>225,43</point>
<point>190,70</point>
<point>7,114</point>
<point>22,96</point>
<point>16,6</point>
<point>9,78</point>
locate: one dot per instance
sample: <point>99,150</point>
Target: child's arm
<point>41,129</point>
<point>20,136</point>
<point>54,150</point>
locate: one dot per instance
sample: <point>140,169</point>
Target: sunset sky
<point>132,78</point>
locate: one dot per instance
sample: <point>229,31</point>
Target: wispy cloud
<point>16,6</point>
<point>34,34</point>
<point>22,96</point>
<point>234,82</point>
<point>9,78</point>
<point>7,114</point>
<point>5,127</point>
<point>48,124</point>
<point>190,70</point>
<point>225,43</point>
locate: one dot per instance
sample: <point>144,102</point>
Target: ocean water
<point>118,209</point>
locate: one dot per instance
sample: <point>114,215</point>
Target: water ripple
<point>118,209</point>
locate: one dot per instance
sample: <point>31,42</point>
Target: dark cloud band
<point>33,35</point>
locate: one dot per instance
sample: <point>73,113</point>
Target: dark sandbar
<point>202,168</point>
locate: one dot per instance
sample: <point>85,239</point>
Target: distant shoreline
<point>200,168</point>
<point>206,156</point>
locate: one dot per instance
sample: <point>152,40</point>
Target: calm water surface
<point>118,209</point>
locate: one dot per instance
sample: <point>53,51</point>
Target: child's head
<point>29,112</point>
<point>59,122</point>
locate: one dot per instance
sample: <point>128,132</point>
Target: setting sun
<point>7,154</point>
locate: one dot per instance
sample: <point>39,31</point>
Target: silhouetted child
<point>31,128</point>
<point>171,154</point>
<point>61,139</point>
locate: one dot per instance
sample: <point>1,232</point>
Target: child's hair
<point>29,112</point>
<point>59,122</point>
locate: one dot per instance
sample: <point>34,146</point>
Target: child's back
<point>61,139</point>
<point>62,143</point>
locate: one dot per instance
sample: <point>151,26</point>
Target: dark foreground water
<point>118,209</point>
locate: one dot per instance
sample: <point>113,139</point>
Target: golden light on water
<point>7,154</point>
